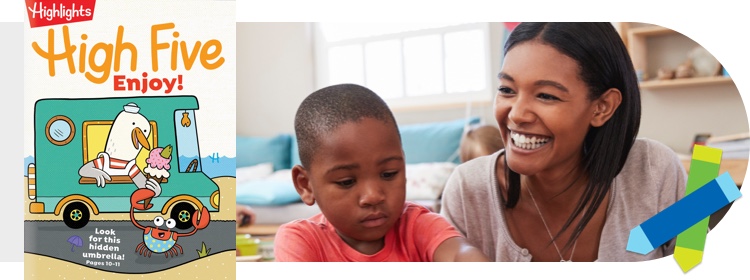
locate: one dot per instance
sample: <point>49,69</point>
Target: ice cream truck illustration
<point>90,155</point>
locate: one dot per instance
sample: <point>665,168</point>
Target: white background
<point>719,26</point>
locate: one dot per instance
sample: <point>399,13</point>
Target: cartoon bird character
<point>127,136</point>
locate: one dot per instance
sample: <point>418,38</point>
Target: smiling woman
<point>573,180</point>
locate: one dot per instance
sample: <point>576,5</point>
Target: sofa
<point>264,179</point>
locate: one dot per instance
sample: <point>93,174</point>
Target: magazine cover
<point>129,139</point>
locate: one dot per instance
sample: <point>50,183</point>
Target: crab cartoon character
<point>156,239</point>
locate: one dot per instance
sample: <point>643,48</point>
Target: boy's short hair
<point>326,109</point>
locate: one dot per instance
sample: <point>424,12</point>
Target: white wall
<point>275,71</point>
<point>675,116</point>
<point>274,75</point>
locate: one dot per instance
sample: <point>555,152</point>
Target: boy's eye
<point>389,175</point>
<point>505,90</point>
<point>546,96</point>
<point>346,183</point>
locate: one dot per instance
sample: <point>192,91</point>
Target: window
<point>407,64</point>
<point>95,135</point>
<point>60,130</point>
<point>188,153</point>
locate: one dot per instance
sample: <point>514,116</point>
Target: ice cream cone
<point>157,179</point>
<point>147,202</point>
<point>158,165</point>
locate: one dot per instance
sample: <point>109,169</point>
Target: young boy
<point>353,167</point>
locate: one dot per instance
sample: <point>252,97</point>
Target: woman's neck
<point>562,187</point>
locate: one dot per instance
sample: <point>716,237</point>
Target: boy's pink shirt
<point>414,237</point>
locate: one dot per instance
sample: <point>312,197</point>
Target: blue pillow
<point>266,192</point>
<point>433,142</point>
<point>257,150</point>
<point>295,152</point>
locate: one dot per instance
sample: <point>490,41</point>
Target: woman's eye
<point>505,90</point>
<point>346,183</point>
<point>546,96</point>
<point>389,175</point>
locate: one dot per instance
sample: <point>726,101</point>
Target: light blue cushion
<point>433,142</point>
<point>266,192</point>
<point>257,150</point>
<point>295,152</point>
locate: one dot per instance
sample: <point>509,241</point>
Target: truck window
<point>95,139</point>
<point>188,154</point>
<point>60,130</point>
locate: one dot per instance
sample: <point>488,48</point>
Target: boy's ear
<point>605,106</point>
<point>302,184</point>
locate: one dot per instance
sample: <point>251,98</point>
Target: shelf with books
<point>735,146</point>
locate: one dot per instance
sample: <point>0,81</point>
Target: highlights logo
<point>52,12</point>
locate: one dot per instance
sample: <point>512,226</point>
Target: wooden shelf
<point>666,47</point>
<point>650,31</point>
<point>698,81</point>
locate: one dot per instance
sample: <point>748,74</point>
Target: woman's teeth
<point>528,142</point>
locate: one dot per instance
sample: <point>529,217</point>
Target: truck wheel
<point>182,213</point>
<point>76,215</point>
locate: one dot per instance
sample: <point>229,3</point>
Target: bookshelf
<point>676,83</point>
<point>652,47</point>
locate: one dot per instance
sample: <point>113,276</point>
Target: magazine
<point>129,139</point>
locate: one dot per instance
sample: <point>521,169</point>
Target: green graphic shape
<point>704,167</point>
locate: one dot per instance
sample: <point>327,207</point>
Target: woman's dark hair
<point>603,63</point>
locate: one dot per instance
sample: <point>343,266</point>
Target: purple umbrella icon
<point>76,241</point>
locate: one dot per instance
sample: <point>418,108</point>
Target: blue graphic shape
<point>683,214</point>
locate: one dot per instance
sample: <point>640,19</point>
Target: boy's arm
<point>458,249</point>
<point>440,239</point>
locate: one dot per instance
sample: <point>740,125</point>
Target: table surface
<point>254,258</point>
<point>737,168</point>
<point>258,230</point>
